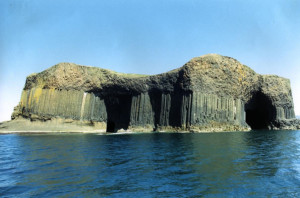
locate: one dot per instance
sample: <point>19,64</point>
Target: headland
<point>208,93</point>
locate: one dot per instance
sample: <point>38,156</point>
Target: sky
<point>145,37</point>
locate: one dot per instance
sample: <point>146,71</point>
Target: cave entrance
<point>259,111</point>
<point>110,126</point>
<point>118,109</point>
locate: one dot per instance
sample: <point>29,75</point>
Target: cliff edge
<point>208,93</point>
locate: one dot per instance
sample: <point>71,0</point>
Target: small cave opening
<point>259,111</point>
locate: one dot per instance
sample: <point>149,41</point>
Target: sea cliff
<point>208,93</point>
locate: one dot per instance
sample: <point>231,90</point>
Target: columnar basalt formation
<point>210,92</point>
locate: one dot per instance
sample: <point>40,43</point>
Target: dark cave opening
<point>110,126</point>
<point>118,112</point>
<point>259,111</point>
<point>176,111</point>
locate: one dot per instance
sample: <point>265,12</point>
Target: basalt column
<point>141,113</point>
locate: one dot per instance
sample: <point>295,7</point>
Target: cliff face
<point>211,92</point>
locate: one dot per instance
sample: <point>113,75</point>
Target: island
<point>208,93</point>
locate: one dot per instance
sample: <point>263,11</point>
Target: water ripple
<point>261,164</point>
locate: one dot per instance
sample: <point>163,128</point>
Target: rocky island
<point>208,93</point>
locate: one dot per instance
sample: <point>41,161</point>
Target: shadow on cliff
<point>170,109</point>
<point>155,99</point>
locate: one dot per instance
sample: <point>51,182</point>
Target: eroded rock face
<point>210,92</point>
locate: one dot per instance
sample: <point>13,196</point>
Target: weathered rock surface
<point>209,93</point>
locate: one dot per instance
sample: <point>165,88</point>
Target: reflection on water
<point>151,165</point>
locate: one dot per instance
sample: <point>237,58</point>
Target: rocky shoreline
<point>22,125</point>
<point>25,126</point>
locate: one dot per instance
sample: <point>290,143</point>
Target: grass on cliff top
<point>130,75</point>
<point>126,75</point>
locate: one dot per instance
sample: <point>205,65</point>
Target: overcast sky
<point>146,37</point>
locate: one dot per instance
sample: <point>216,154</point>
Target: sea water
<point>231,164</point>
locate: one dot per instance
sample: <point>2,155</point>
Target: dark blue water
<point>261,164</point>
